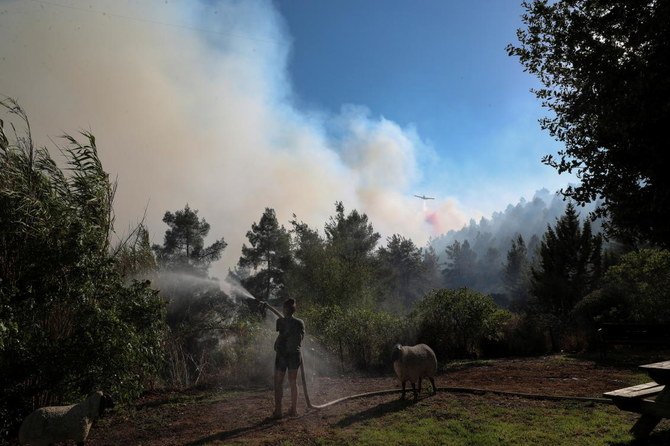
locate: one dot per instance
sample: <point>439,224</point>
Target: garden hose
<point>470,390</point>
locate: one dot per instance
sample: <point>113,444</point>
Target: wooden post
<point>646,423</point>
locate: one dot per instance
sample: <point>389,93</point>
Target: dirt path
<point>241,416</point>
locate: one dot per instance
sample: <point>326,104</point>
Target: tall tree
<point>352,236</point>
<point>516,271</point>
<point>569,265</point>
<point>461,269</point>
<point>350,244</point>
<point>184,243</point>
<point>268,257</point>
<point>198,309</point>
<point>309,276</point>
<point>605,71</point>
<point>488,272</point>
<point>431,268</point>
<point>402,271</point>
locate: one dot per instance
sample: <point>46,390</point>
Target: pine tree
<point>569,265</point>
<point>402,271</point>
<point>184,244</point>
<point>268,257</point>
<point>461,269</point>
<point>516,271</point>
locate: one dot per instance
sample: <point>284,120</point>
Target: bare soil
<point>242,416</point>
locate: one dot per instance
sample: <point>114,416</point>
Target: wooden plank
<point>657,365</point>
<point>639,391</point>
<point>658,371</point>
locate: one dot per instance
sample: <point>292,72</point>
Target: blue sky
<point>440,66</point>
<point>233,106</point>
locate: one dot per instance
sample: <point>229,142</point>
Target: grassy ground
<point>239,417</point>
<point>473,420</point>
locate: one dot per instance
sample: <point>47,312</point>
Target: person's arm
<point>272,309</point>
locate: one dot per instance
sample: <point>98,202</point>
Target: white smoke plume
<point>191,103</point>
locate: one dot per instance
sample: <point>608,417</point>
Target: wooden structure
<point>650,400</point>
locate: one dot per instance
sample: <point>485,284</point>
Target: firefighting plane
<point>423,197</point>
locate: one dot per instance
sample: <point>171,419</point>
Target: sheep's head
<point>106,402</point>
<point>397,349</point>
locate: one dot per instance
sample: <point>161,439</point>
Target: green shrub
<point>68,321</point>
<point>457,323</point>
<point>359,337</point>
<point>637,289</point>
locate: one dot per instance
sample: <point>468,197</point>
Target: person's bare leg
<point>292,380</point>
<point>279,392</point>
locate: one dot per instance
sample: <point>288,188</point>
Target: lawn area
<point>240,417</point>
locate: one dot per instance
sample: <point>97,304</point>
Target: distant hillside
<point>491,239</point>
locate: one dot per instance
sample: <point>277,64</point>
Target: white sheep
<point>413,363</point>
<point>48,425</point>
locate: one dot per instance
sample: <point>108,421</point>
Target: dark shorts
<point>289,361</point>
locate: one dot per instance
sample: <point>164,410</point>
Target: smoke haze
<point>191,103</point>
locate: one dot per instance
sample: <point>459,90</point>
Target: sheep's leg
<point>416,395</point>
<point>432,383</point>
<point>402,397</point>
<point>420,384</point>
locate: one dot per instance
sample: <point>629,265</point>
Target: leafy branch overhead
<point>605,74</point>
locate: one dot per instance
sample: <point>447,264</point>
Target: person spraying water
<point>288,354</point>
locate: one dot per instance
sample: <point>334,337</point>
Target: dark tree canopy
<point>569,265</point>
<point>268,257</point>
<point>352,236</point>
<point>516,270</point>
<point>461,268</point>
<point>184,243</point>
<point>605,74</point>
<point>402,271</point>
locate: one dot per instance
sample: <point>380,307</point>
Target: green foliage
<point>605,74</point>
<point>516,271</point>
<point>268,258</point>
<point>637,289</point>
<point>455,323</point>
<point>405,274</point>
<point>308,278</point>
<point>199,313</point>
<point>461,269</point>
<point>350,244</point>
<point>184,243</point>
<point>68,321</point>
<point>134,257</point>
<point>358,336</point>
<point>569,265</point>
<point>351,236</point>
<point>340,269</point>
